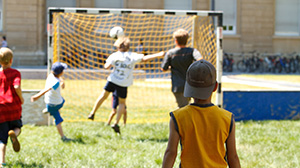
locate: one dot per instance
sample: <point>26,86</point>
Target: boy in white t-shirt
<point>121,77</point>
<point>53,99</point>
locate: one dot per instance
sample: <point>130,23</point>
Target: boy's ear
<point>216,86</point>
<point>176,42</point>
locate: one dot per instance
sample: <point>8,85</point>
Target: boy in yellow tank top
<point>205,131</point>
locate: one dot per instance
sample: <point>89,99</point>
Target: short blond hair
<point>123,44</point>
<point>6,55</point>
<point>181,36</point>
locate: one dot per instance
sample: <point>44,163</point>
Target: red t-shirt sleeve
<point>17,79</point>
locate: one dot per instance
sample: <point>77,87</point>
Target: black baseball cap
<point>200,80</point>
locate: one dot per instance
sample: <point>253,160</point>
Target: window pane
<point>178,4</point>
<point>108,3</point>
<point>229,14</point>
<point>287,17</point>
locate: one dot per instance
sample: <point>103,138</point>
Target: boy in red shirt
<point>11,101</point>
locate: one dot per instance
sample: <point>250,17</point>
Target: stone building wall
<point>257,24</point>
<point>24,25</point>
<point>32,111</point>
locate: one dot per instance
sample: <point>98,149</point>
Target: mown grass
<point>260,144</point>
<point>94,145</point>
<point>268,143</point>
<point>146,101</point>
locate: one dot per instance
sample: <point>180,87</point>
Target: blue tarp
<point>262,105</point>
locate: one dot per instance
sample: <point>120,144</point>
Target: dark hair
<point>3,37</point>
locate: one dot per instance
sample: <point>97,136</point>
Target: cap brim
<point>196,92</point>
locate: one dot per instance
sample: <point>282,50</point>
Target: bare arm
<point>62,82</point>
<point>107,66</point>
<point>19,92</point>
<point>197,55</point>
<point>153,56</point>
<point>38,95</point>
<point>233,158</point>
<point>164,69</point>
<point>171,151</point>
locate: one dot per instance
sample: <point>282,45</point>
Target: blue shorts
<point>120,91</point>
<point>53,109</point>
<point>6,126</point>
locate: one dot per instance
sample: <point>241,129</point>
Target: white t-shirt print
<point>123,63</point>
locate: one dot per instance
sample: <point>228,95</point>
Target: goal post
<point>80,38</point>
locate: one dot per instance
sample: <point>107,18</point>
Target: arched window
<point>229,15</point>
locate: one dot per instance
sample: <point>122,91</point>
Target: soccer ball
<point>116,32</point>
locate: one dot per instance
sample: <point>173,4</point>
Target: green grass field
<point>260,144</point>
<point>146,101</point>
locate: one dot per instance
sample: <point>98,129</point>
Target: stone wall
<point>32,111</point>
<point>256,25</point>
<point>24,25</point>
<point>134,4</point>
<point>33,73</point>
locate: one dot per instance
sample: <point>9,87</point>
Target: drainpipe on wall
<point>212,5</point>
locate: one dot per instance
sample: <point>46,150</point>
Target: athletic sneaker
<point>65,139</point>
<point>14,140</point>
<point>91,116</point>
<point>45,111</point>
<point>116,128</point>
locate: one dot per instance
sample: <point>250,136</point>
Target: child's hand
<point>62,85</point>
<point>33,98</point>
<point>162,53</point>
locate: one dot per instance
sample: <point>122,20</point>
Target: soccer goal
<point>80,38</point>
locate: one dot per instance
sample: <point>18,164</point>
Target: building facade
<point>268,26</point>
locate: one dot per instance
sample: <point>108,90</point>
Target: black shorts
<point>6,126</point>
<point>120,91</point>
<point>115,100</point>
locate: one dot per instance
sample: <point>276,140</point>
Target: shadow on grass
<point>24,165</point>
<point>99,135</point>
<point>83,140</point>
<point>77,140</point>
<point>163,140</point>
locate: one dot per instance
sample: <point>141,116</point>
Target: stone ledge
<point>32,111</point>
<point>29,58</point>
